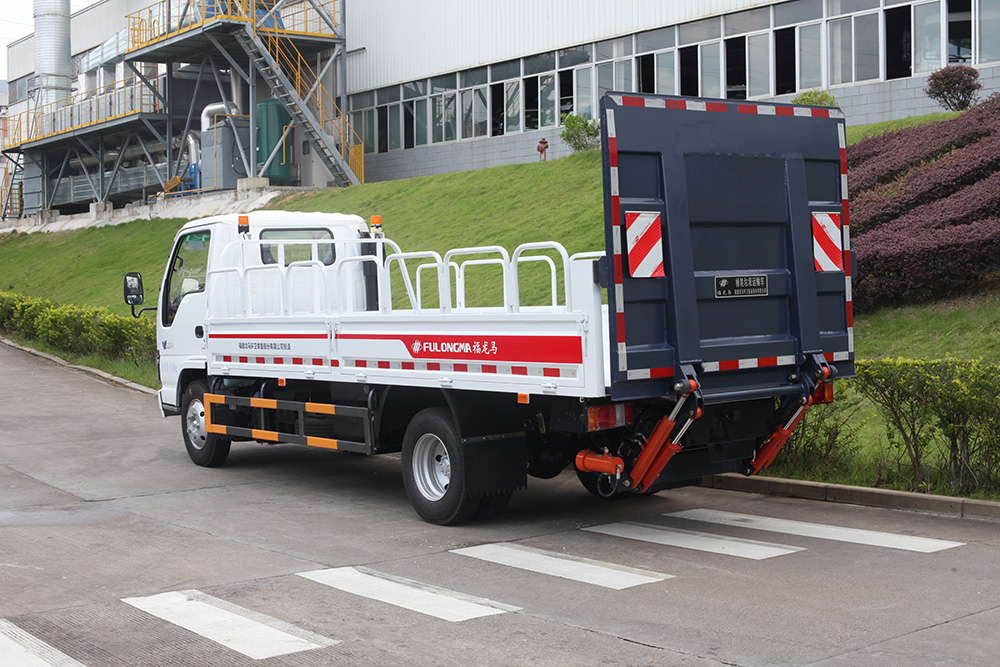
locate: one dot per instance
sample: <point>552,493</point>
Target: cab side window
<point>188,271</point>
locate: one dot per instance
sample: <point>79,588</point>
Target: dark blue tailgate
<point>727,225</point>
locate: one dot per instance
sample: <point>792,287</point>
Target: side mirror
<point>133,292</point>
<point>133,289</point>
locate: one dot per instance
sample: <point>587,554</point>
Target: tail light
<point>824,393</point>
<point>600,417</point>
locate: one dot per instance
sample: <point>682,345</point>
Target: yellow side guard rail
<point>293,411</point>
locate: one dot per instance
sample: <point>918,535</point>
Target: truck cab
<point>211,243</point>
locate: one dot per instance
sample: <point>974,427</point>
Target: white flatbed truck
<point>726,277</point>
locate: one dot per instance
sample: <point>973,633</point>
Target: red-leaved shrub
<point>926,184</point>
<point>901,150</point>
<point>926,263</point>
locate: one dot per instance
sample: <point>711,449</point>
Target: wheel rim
<point>194,423</point>
<point>431,467</point>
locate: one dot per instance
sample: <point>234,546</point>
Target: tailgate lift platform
<point>728,245</point>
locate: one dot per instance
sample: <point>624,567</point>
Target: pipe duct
<point>53,67</point>
<point>208,113</point>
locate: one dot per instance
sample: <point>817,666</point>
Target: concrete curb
<point>83,369</point>
<point>856,495</point>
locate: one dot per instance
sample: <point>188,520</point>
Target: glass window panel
<point>508,70</point>
<point>810,56</point>
<point>543,62</point>
<point>605,78</point>
<point>699,31</point>
<point>866,50</point>
<point>798,11</point>
<point>927,44</point>
<point>388,95</point>
<point>654,40</point>
<point>711,70</point>
<point>623,75</point>
<point>414,89</point>
<point>437,119</point>
<point>420,122</point>
<point>450,117</point>
<point>989,30</point>
<point>838,7</point>
<point>614,48</point>
<point>576,55</point>
<point>841,52</point>
<point>585,92</point>
<point>665,73</point>
<point>474,77</point>
<point>440,84</point>
<point>467,120</point>
<point>512,102</point>
<point>363,100</point>
<point>394,125</point>
<point>547,101</point>
<point>749,21</point>
<point>759,65</point>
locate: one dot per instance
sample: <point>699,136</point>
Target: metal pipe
<point>194,147</point>
<point>215,107</point>
<point>53,67</point>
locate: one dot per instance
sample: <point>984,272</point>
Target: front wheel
<point>434,469</point>
<point>205,449</point>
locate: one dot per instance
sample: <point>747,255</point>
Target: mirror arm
<point>141,311</point>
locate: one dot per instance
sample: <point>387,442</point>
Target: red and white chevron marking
<point>644,237</point>
<point>723,107</point>
<point>828,242</point>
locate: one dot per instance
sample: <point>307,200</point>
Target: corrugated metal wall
<point>392,41</point>
<point>89,28</point>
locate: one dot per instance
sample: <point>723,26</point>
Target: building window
<point>584,79</point>
<point>989,31</point>
<point>474,118</point>
<point>927,44</point>
<point>959,32</point>
<point>854,49</point>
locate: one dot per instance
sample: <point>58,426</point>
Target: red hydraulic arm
<point>659,447</point>
<point>777,440</point>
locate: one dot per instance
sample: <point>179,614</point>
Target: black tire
<point>598,487</point>
<point>434,469</point>
<point>205,449</point>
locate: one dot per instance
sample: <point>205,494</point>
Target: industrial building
<point>124,100</point>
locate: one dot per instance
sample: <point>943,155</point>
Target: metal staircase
<point>311,107</point>
<point>12,193</point>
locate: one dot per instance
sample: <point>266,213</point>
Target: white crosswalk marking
<point>818,530</point>
<point>584,570</point>
<point>21,649</point>
<point>415,596</point>
<point>688,539</point>
<point>254,635</point>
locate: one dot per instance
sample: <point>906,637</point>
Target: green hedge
<point>942,420</point>
<point>78,330</point>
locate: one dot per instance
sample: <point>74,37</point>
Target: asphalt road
<point>116,550</point>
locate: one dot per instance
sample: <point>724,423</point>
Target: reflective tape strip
<point>741,364</point>
<point>324,443</point>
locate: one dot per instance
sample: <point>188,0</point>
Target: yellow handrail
<point>171,17</point>
<point>122,98</point>
<point>316,96</point>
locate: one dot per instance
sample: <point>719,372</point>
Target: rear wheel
<point>205,449</point>
<point>434,469</point>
